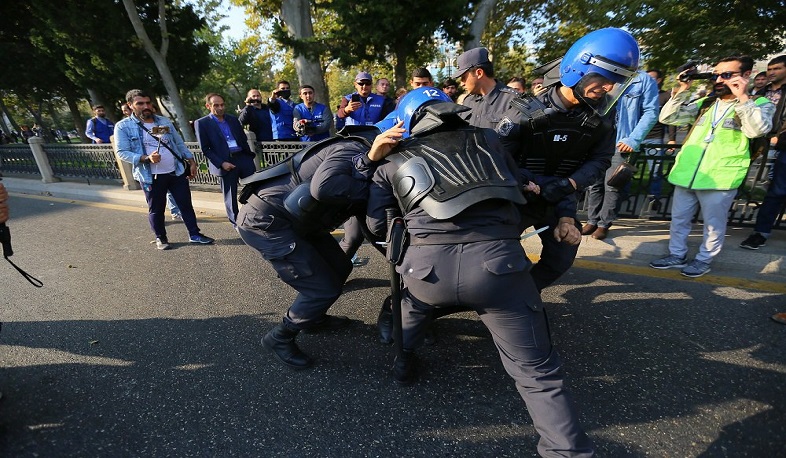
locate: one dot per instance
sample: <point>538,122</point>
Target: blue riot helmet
<point>600,66</point>
<point>389,121</point>
<point>413,101</point>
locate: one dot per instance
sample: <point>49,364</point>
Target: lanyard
<point>715,120</point>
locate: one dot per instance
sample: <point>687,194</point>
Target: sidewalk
<point>636,242</point>
<point>632,242</point>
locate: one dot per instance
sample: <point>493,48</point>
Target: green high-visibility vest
<point>716,159</point>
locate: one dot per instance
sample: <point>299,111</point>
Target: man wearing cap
<point>563,138</point>
<point>488,98</point>
<point>363,107</point>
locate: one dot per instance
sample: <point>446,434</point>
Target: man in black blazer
<point>225,145</point>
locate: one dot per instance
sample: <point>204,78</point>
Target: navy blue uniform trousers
<point>314,265</point>
<point>491,277</point>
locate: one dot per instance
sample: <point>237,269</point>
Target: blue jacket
<point>213,144</point>
<point>370,112</point>
<point>129,139</point>
<point>281,115</point>
<point>321,120</point>
<point>637,110</point>
<point>97,129</point>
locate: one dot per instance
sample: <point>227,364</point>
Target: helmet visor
<point>599,92</point>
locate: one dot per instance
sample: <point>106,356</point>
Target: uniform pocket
<point>291,269</point>
<point>507,264</point>
<point>418,272</point>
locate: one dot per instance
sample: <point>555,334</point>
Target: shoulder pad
<point>363,134</point>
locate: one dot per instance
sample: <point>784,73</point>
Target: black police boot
<point>281,340</point>
<point>328,323</point>
<point>385,323</point>
<point>405,368</point>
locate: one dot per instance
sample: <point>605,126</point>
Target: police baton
<point>395,247</point>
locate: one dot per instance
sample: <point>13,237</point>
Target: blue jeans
<point>655,166</point>
<point>170,202</point>
<point>774,199</point>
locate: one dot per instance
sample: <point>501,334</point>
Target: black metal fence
<point>18,159</point>
<point>648,195</point>
<point>83,161</point>
<point>77,162</point>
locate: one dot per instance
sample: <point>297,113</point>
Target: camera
<point>355,98</point>
<point>689,72</point>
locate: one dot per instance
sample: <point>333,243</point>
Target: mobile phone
<point>355,98</point>
<point>159,130</point>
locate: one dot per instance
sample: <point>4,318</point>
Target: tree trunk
<point>479,23</point>
<point>79,121</point>
<point>2,119</point>
<point>400,68</point>
<point>55,117</point>
<point>164,110</point>
<point>296,14</point>
<point>159,58</point>
<point>8,116</point>
<point>96,98</point>
<point>43,128</point>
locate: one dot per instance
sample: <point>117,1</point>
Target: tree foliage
<point>48,51</point>
<point>669,32</point>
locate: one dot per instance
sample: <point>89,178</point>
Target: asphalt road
<point>129,351</point>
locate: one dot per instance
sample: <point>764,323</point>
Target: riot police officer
<point>564,139</point>
<point>458,191</point>
<point>288,218</point>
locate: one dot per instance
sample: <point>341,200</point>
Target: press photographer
<point>311,120</point>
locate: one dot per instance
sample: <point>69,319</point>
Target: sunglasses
<point>361,83</point>
<point>724,75</point>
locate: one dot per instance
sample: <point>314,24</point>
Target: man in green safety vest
<point>714,159</point>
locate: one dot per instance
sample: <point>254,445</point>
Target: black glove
<point>556,190</point>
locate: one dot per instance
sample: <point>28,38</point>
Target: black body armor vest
<point>446,172</point>
<point>555,143</point>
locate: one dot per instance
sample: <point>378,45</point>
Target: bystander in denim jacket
<point>129,137</point>
<point>637,111</point>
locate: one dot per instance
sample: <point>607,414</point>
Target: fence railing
<point>18,159</point>
<point>88,162</point>
<point>649,194</point>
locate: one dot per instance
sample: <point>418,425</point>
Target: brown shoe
<point>588,229</point>
<point>779,317</point>
<point>600,233</point>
